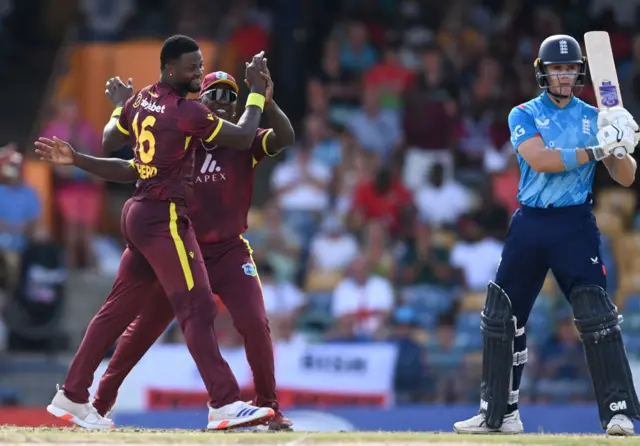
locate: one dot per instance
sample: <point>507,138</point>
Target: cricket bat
<point>603,74</point>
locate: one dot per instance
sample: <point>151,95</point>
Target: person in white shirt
<point>301,187</point>
<point>441,200</point>
<point>476,254</point>
<point>363,299</point>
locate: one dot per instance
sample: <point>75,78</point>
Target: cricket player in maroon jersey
<point>222,188</point>
<point>161,242</point>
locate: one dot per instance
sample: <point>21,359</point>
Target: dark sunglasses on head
<point>219,94</point>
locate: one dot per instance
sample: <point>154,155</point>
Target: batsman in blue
<point>558,140</point>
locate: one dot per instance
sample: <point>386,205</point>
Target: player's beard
<point>192,87</point>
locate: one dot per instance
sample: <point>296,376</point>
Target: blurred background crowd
<point>386,219</point>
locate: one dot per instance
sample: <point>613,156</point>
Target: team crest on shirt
<point>138,100</point>
<point>250,269</point>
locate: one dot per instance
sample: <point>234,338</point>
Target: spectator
<point>382,200</point>
<point>422,262</point>
<point>377,130</point>
<point>78,194</point>
<point>300,186</point>
<point>325,147</point>
<point>19,212</point>
<point>477,254</point>
<point>377,243</point>
<point>357,53</point>
<point>333,249</point>
<point>429,115</point>
<point>390,78</point>
<point>338,84</point>
<point>283,302</point>
<point>441,200</point>
<point>358,167</point>
<point>276,243</point>
<point>362,301</point>
<point>34,313</point>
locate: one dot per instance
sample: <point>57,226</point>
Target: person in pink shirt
<point>78,195</point>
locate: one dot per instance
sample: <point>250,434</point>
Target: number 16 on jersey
<point>143,135</point>
<point>603,74</point>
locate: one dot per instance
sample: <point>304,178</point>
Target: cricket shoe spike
<point>238,414</point>
<point>511,424</point>
<point>83,415</point>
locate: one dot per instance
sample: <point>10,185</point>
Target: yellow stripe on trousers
<point>182,252</point>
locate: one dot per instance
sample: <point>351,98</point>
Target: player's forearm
<point>285,136</point>
<point>240,136</point>
<point>549,160</point>
<point>623,171</point>
<point>109,169</point>
<point>112,138</point>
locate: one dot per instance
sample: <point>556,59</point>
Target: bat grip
<point>619,152</point>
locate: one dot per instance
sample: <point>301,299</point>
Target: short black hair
<point>176,46</point>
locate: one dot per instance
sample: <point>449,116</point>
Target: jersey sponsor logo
<point>517,132</point>
<point>542,122</point>
<point>250,269</point>
<point>210,171</point>
<point>609,94</point>
<point>152,107</point>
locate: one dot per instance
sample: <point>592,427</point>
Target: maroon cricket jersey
<point>161,125</point>
<point>222,188</point>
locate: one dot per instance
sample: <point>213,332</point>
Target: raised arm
<point>238,136</point>
<point>116,132</point>
<point>110,169</point>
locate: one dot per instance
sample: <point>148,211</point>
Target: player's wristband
<point>116,112</point>
<point>256,99</point>
<point>569,159</point>
<point>595,153</point>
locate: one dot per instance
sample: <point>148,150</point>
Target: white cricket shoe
<point>84,415</point>
<point>620,425</point>
<point>511,424</point>
<point>238,414</point>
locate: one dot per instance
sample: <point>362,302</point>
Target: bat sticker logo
<point>609,94</point>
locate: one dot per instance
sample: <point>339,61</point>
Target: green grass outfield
<point>75,437</point>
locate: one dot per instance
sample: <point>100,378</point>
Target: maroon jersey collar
<point>166,88</point>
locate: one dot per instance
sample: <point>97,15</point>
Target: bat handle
<point>619,152</point>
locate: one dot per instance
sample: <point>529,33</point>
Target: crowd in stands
<point>386,219</point>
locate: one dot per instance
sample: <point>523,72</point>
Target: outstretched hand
<point>55,151</point>
<point>117,91</point>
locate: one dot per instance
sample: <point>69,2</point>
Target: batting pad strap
<point>514,396</point>
<point>520,358</point>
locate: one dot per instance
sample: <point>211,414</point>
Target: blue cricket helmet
<point>559,49</point>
